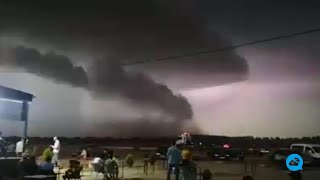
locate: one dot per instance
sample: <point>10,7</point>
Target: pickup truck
<point>279,156</point>
<point>311,151</point>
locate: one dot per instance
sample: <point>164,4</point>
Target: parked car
<point>310,151</point>
<point>263,152</point>
<point>220,153</point>
<point>279,156</point>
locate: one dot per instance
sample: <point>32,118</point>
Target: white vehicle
<point>184,138</point>
<point>312,150</point>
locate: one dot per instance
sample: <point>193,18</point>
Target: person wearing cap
<point>174,159</point>
<point>56,150</point>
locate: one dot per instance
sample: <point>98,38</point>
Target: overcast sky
<point>270,89</point>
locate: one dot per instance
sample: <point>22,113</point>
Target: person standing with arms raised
<point>56,149</point>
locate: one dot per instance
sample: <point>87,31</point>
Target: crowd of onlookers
<point>28,165</point>
<point>106,163</point>
<point>181,165</point>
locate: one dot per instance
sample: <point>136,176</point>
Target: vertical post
<point>24,117</point>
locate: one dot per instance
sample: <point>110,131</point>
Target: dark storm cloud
<point>126,31</point>
<point>106,77</point>
<point>121,32</point>
<point>49,65</point>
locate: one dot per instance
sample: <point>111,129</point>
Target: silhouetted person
<point>188,169</point>
<point>295,175</point>
<point>111,169</point>
<point>111,155</point>
<point>73,172</point>
<point>247,178</point>
<point>27,165</point>
<point>174,159</point>
<point>11,149</point>
<point>47,166</point>
<point>105,154</point>
<point>89,155</point>
<point>206,174</point>
<point>98,160</point>
<point>3,151</point>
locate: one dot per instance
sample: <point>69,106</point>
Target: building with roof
<point>15,96</point>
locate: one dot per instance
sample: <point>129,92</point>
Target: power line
<point>227,48</point>
<point>14,71</point>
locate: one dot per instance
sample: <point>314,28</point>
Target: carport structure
<point>9,95</point>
